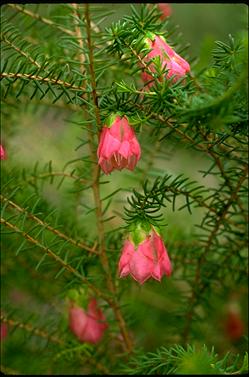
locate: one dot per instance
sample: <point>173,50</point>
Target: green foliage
<point>190,361</point>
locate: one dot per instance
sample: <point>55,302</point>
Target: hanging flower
<point>165,9</point>
<point>2,153</point>
<point>88,326</point>
<point>144,256</point>
<point>118,146</point>
<point>176,66</point>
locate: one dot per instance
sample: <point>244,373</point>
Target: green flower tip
<point>78,296</point>
<point>73,294</point>
<point>111,118</point>
<point>139,230</point>
<point>150,35</point>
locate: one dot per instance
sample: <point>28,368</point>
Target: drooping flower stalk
<point>118,147</point>
<point>144,256</point>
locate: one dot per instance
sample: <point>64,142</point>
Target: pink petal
<point>135,147</point>
<point>127,130</point>
<point>140,267</point>
<point>3,331</point>
<point>121,130</point>
<point>157,272</point>
<point>166,264</point>
<point>106,165</point>
<point>101,140</point>
<point>93,331</point>
<point>126,255</point>
<point>2,153</point>
<point>93,309</point>
<point>145,248</point>
<point>132,162</point>
<point>115,128</point>
<point>163,258</point>
<point>77,320</point>
<point>165,9</point>
<point>176,65</point>
<point>124,149</point>
<point>180,61</point>
<point>110,145</point>
<point>158,244</point>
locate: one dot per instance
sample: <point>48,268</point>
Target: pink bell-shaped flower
<point>118,146</point>
<point>88,326</point>
<point>144,256</point>
<point>174,63</point>
<point>2,153</point>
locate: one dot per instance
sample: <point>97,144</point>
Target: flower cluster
<point>118,146</point>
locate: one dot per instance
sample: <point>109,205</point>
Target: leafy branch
<point>49,252</point>
<point>49,227</point>
<point>198,276</point>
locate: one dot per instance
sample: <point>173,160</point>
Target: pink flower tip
<point>118,146</point>
<point>149,259</point>
<point>88,326</point>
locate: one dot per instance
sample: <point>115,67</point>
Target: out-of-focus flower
<point>3,331</point>
<point>174,64</point>
<point>234,326</point>
<point>144,256</point>
<point>2,153</point>
<point>118,147</point>
<point>88,326</point>
<point>165,9</point>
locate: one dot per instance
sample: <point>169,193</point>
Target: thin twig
<point>40,18</point>
<point>197,279</point>
<point>50,228</point>
<point>67,267</point>
<point>30,328</point>
<point>39,78</point>
<point>11,44</point>
<point>96,191</point>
